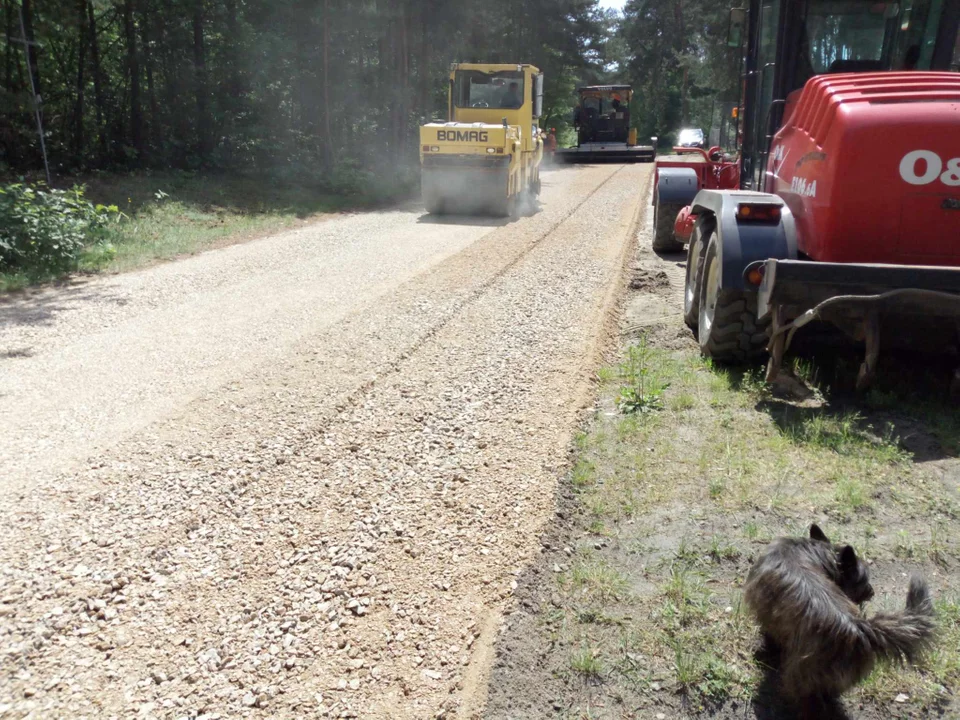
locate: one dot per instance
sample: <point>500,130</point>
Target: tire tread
<point>664,239</point>
<point>737,336</point>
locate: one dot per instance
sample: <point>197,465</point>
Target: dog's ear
<point>817,534</point>
<point>848,557</point>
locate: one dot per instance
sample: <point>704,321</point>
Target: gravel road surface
<point>297,477</point>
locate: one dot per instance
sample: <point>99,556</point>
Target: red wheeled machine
<point>843,201</point>
<point>673,220</point>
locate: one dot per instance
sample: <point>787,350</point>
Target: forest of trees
<point>302,89</point>
<point>674,52</point>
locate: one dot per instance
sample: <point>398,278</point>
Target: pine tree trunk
<point>97,83</point>
<point>681,46</point>
<point>327,148</point>
<point>8,56</point>
<point>423,66</point>
<point>396,49</point>
<point>235,84</point>
<point>384,91</point>
<point>301,118</point>
<point>177,88</point>
<point>133,68</point>
<point>153,125</point>
<point>81,62</point>
<point>403,108</point>
<point>200,69</point>
<point>684,112</point>
<point>27,9</point>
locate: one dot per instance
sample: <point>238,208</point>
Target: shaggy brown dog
<point>805,595</point>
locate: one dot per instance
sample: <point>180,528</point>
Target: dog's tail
<point>902,636</point>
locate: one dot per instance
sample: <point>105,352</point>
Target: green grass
<point>587,663</point>
<point>597,580</point>
<point>606,375</point>
<point>844,433</point>
<point>171,230</point>
<point>716,487</point>
<point>851,494</point>
<point>937,672</point>
<point>944,661</point>
<point>686,597</point>
<point>690,490</point>
<point>702,674</point>
<point>683,401</point>
<point>905,547</point>
<point>686,553</point>
<point>939,549</point>
<point>14,281</point>
<point>721,549</point>
<point>592,616</point>
<point>171,214</point>
<point>584,473</point>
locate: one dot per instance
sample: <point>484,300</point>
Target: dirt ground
<point>634,609</point>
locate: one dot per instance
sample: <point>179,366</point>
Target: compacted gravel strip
<point>83,366</point>
<point>335,532</point>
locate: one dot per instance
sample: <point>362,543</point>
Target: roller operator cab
<point>843,203</point>
<point>486,157</point>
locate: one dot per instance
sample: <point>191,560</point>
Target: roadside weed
<point>597,579</point>
<point>587,662</point>
<point>584,473</point>
<point>643,388</point>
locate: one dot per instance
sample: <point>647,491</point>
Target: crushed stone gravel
<point>329,478</point>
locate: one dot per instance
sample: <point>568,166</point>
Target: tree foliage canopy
<point>287,86</point>
<point>674,53</point>
<point>322,88</point>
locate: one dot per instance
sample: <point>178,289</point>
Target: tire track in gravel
<point>35,437</point>
<point>393,366</point>
<point>87,364</point>
<point>478,674</point>
<point>276,551</point>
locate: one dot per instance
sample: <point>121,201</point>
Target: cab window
<point>865,36</point>
<point>502,90</point>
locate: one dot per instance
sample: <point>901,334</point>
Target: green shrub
<point>43,232</point>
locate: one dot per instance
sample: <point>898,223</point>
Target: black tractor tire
<point>702,233</point>
<point>728,329</point>
<point>664,218</point>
